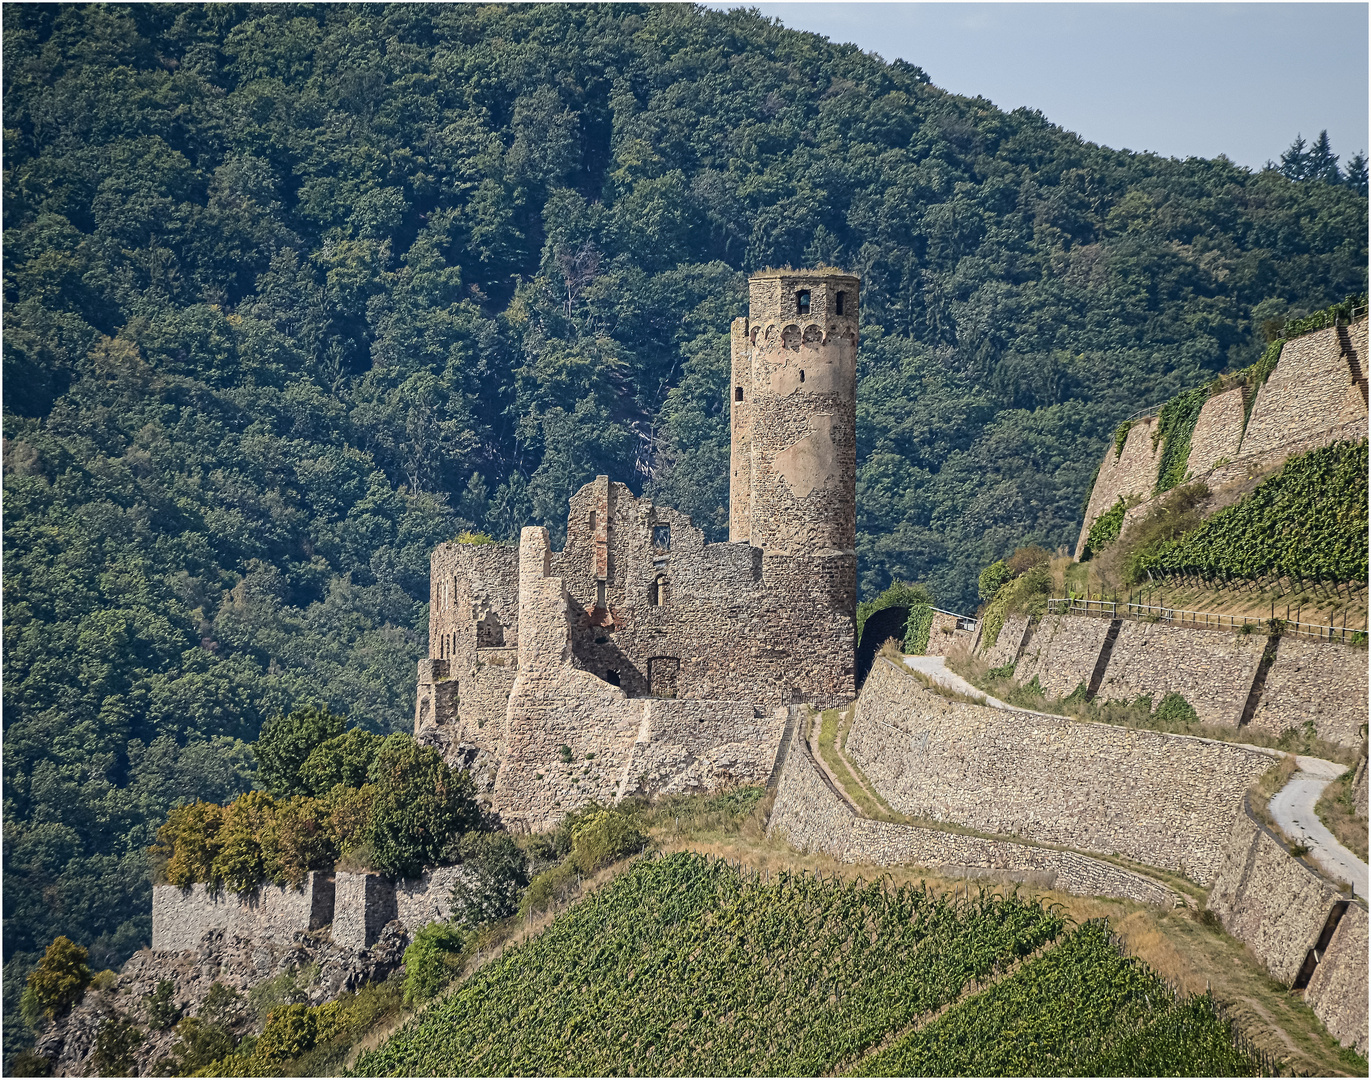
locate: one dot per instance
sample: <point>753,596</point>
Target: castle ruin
<point>640,659</point>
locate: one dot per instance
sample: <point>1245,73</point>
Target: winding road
<point>1292,807</point>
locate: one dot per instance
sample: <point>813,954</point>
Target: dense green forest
<point>293,293</point>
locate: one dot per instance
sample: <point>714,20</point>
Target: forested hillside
<point>294,293</point>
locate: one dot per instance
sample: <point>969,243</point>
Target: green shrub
<point>433,960</point>
<point>1175,426</point>
<point>1105,530</point>
<point>1174,709</point>
<point>499,874</point>
<point>115,1040</point>
<point>548,888</point>
<point>1004,672</point>
<point>916,629</point>
<point>1173,515</point>
<point>291,1031</point>
<point>603,837</point>
<point>161,1006</point>
<point>993,578</point>
<point>29,1063</point>
<point>420,805</point>
<point>199,1044</point>
<point>344,759</point>
<point>58,982</point>
<point>286,743</point>
<point>901,594</point>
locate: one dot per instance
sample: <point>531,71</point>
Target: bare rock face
<point>322,971</point>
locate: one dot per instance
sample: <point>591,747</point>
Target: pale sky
<point>1176,79</point>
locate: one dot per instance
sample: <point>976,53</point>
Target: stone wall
<point>1010,643</point>
<point>813,817</point>
<point>1132,472</point>
<point>1271,901</point>
<point>1211,669</point>
<point>1311,391</point>
<point>944,638</point>
<point>363,904</point>
<point>1217,434</point>
<point>1316,681</point>
<point>1359,786</point>
<point>1337,990</point>
<point>1165,800</point>
<point>273,913</point>
<point>1062,652</point>
<point>427,898</point>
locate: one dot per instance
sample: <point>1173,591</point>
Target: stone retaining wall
<point>1133,471</point>
<point>1270,900</point>
<point>1062,652</point>
<point>1007,646</point>
<point>363,904</point>
<point>1337,991</point>
<point>1165,800</point>
<point>273,913</point>
<point>1211,669</point>
<point>813,817</point>
<point>1217,434</point>
<point>1317,681</point>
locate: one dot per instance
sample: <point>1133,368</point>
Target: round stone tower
<point>793,488</point>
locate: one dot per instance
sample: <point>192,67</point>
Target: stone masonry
<point>1211,669</point>
<point>1165,800</point>
<point>640,659</point>
<point>272,913</point>
<point>1131,471</point>
<point>1337,990</point>
<point>1062,652</point>
<point>813,817</point>
<point>1275,903</point>
<point>1218,432</point>
<point>1318,682</point>
<point>1010,643</point>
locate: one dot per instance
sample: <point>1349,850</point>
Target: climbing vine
<point>917,628</point>
<point>1105,530</point>
<point>1175,426</point>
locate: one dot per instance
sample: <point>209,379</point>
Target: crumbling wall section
<point>812,817</point>
<point>1062,653</point>
<point>1271,901</point>
<point>1318,682</point>
<point>1337,990</point>
<point>1165,800</point>
<point>1213,670</point>
<point>1132,472</point>
<point>944,638</point>
<point>272,913</point>
<point>363,904</point>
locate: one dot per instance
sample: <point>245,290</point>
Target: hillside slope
<point>294,293</point>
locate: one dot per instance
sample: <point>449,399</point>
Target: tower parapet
<point>794,414</point>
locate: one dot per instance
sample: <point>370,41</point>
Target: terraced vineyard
<point>685,966</point>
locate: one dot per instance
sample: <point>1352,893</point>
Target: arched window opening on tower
<point>840,304</point>
<point>802,302</point>
<point>737,393</point>
<point>659,591</point>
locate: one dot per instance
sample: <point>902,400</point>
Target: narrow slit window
<point>840,304</point>
<point>737,393</point>
<point>802,302</point>
<point>802,376</point>
<point>594,520</point>
<point>600,594</point>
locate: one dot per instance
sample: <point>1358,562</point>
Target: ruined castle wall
<point>812,817</point>
<point>1008,645</point>
<point>363,904</point>
<point>686,746</point>
<point>427,898</point>
<point>740,442</point>
<point>1268,899</point>
<point>1062,652</point>
<point>1337,990</point>
<point>1310,392</point>
<point>1213,670</point>
<point>1132,472</point>
<point>276,913</point>
<point>1166,800</point>
<point>1315,681</point>
<point>1218,432</point>
<point>944,638</point>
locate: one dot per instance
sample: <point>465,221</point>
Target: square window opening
<point>661,537</point>
<point>737,393</point>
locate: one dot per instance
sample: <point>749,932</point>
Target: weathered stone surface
<point>813,817</point>
<point>236,962</point>
<point>1337,990</point>
<point>1319,682</point>
<point>273,913</point>
<point>1062,652</point>
<point>1271,901</point>
<point>1010,643</point>
<point>1164,800</point>
<point>1133,471</point>
<point>1310,392</point>
<point>1218,432</point>
<point>944,638</point>
<point>362,905</point>
<point>1359,788</point>
<point>1212,669</point>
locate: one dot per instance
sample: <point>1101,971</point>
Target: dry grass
<point>1336,810</point>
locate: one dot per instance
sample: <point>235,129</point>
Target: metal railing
<point>1206,620</point>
